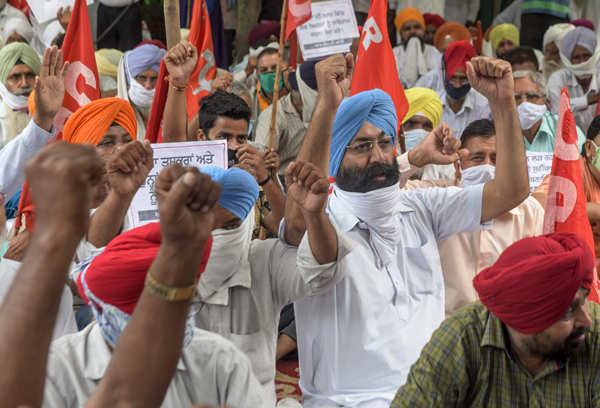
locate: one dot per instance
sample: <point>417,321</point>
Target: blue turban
<point>239,190</point>
<point>375,107</point>
<point>142,58</point>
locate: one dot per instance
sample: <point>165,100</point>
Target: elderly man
<point>522,59</point>
<point>19,65</point>
<point>358,351</point>
<point>107,61</point>
<point>293,115</point>
<point>138,73</point>
<point>463,255</point>
<point>532,341</point>
<point>552,39</point>
<point>16,29</point>
<point>432,23</point>
<point>580,75</point>
<point>504,37</point>
<point>6,13</point>
<point>414,58</point>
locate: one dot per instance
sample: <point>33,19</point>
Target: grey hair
<point>536,77</point>
<point>239,88</point>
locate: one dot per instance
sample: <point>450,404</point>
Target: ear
<point>590,152</point>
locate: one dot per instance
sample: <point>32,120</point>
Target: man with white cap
<point>17,29</point>
<point>136,83</point>
<point>579,55</point>
<point>7,12</point>
<point>552,38</point>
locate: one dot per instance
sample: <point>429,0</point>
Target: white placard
<point>330,29</point>
<point>539,165</point>
<point>45,10</point>
<point>144,207</point>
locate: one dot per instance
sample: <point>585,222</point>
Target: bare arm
<point>493,78</point>
<point>140,371</point>
<point>334,76</point>
<point>127,170</point>
<point>60,180</point>
<point>180,61</point>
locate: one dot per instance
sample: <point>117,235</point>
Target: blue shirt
<point>545,137</point>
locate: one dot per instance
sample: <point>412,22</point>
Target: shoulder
<point>557,78</point>
<point>468,321</point>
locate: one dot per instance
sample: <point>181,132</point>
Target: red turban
<point>456,31</point>
<point>90,122</point>
<point>457,55</point>
<point>117,275</point>
<point>534,281</point>
<point>434,19</point>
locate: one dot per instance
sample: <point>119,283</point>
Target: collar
<point>215,289</point>
<point>572,81</point>
<point>287,106</point>
<point>98,354</point>
<point>467,104</point>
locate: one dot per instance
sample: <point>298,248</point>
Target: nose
<point>378,155</point>
<point>149,84</point>
<point>23,81</point>
<point>233,144</point>
<point>488,160</point>
<point>583,317</point>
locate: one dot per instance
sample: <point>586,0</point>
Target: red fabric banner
<point>298,13</point>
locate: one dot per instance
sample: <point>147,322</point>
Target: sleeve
<point>16,153</point>
<point>295,273</point>
<point>263,123</point>
<point>454,209</point>
<point>439,378</point>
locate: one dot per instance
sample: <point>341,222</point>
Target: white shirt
<point>582,112</point>
<point>432,80</point>
<point>15,154</point>
<point>357,341</point>
<point>211,370</point>
<point>431,55</point>
<point>65,319</point>
<point>246,309</point>
<point>475,107</point>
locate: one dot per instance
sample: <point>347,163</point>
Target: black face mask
<point>232,159</point>
<point>359,180</point>
<point>456,93</point>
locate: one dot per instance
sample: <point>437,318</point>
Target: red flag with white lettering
<point>298,13</point>
<point>565,205</point>
<point>81,87</point>
<point>376,65</point>
<point>206,69</point>
<point>153,130</point>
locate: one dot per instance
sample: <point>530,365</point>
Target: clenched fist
<point>129,166</point>
<point>307,186</point>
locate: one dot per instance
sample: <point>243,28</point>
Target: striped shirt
<point>557,8</point>
<point>467,363</point>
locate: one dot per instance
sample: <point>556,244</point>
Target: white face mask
<point>477,175</point>
<point>530,114</point>
<point>139,95</point>
<point>15,102</point>
<point>414,137</point>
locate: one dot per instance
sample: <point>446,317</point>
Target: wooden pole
<point>189,13</point>
<point>277,74</point>
<point>172,27</point>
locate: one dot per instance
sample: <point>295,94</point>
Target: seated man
<point>414,58</point>
<point>136,83</point>
<point>107,62</point>
<point>504,37</point>
<point>20,65</point>
<point>532,341</point>
<point>552,38</point>
<point>266,67</point>
<point>17,29</point>
<point>580,76</point>
<point>448,33</point>
<point>522,59</point>
<point>432,23</point>
<point>463,255</point>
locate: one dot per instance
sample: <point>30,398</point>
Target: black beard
<point>570,346</point>
<point>358,180</point>
<point>415,36</point>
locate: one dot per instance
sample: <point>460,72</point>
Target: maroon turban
<point>457,55</point>
<point>583,22</point>
<point>434,19</point>
<point>263,31</point>
<point>534,281</point>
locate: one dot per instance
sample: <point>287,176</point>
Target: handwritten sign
<point>539,165</point>
<point>144,206</point>
<point>330,29</point>
<point>45,10</point>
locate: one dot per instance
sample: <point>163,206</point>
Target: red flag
<point>81,87</point>
<point>376,65</point>
<point>565,206</point>
<point>206,69</point>
<point>158,106</point>
<point>298,13</point>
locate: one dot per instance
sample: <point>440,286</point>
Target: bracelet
<point>169,293</point>
<point>265,181</point>
<point>176,86</point>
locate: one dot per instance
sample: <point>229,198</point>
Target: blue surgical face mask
<point>456,93</point>
<point>414,137</point>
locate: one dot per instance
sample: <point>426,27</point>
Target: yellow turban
<point>107,60</point>
<point>423,101</point>
<point>408,14</point>
<point>501,32</point>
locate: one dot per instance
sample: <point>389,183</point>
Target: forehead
<point>460,73</point>
<point>116,131</point>
<point>148,73</point>
<point>579,50</point>
<point>368,131</point>
<point>419,120</point>
<point>478,143</point>
<point>268,59</point>
<point>231,126</point>
<point>20,69</point>
<point>525,84</point>
<point>411,24</point>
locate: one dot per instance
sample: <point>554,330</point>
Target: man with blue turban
<point>579,54</point>
<point>357,341</point>
<point>136,81</point>
<point>19,65</point>
<point>247,282</point>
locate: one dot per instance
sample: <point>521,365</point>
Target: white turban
<point>20,26</point>
<point>50,32</point>
<point>556,32</point>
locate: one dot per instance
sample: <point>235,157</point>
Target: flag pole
<point>277,74</point>
<point>172,27</point>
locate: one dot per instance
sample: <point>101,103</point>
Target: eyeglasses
<point>386,146</point>
<point>529,96</point>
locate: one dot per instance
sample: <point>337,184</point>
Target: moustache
<point>575,334</point>
<point>23,91</point>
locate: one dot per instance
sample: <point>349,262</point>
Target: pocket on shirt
<point>420,263</point>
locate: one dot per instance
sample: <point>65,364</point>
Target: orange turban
<point>90,122</point>
<point>457,31</point>
<point>410,13</point>
<point>31,103</point>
